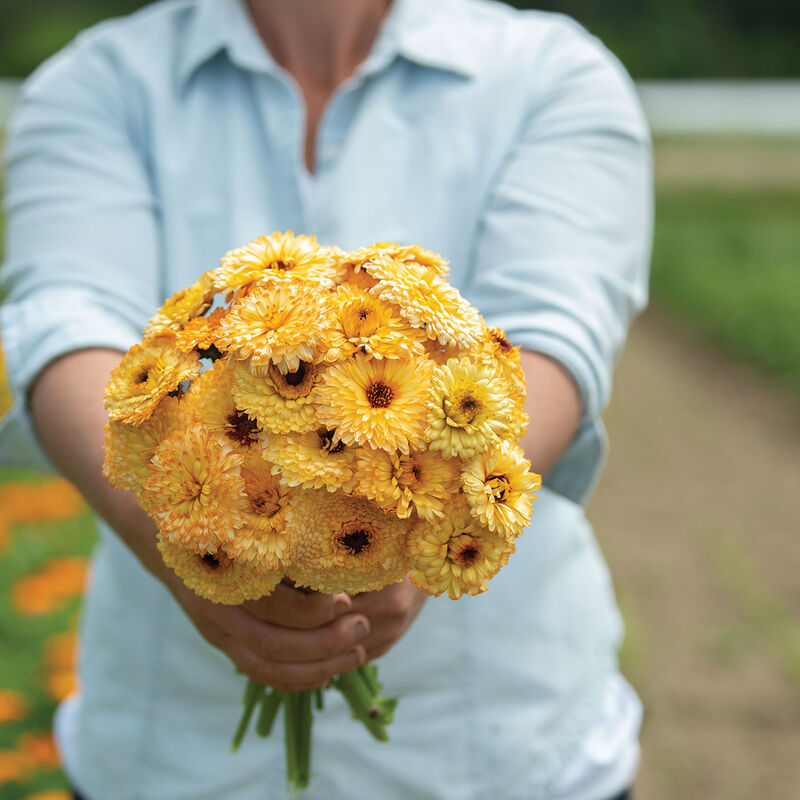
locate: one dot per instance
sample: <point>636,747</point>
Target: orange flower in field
<point>55,794</point>
<point>60,658</point>
<point>36,502</point>
<point>195,492</point>
<point>47,590</point>
<point>13,706</point>
<point>14,766</point>
<point>40,750</point>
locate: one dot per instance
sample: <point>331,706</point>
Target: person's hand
<point>390,612</point>
<point>288,640</point>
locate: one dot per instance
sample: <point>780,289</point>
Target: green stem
<point>363,704</point>
<point>270,703</point>
<point>252,694</point>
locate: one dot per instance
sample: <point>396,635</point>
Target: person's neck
<point>319,42</point>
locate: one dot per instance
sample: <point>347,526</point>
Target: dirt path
<point>698,513</point>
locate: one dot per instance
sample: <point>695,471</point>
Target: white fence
<point>673,107</point>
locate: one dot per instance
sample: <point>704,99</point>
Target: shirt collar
<point>424,32</point>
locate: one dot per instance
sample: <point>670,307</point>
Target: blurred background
<point>698,511</point>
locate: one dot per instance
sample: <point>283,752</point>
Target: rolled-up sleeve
<point>563,248</point>
<point>82,255</point>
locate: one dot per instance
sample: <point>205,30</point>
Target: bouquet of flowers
<point>356,422</point>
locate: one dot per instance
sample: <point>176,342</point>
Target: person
<point>513,143</point>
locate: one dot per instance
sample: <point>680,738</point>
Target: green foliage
<point>726,261</point>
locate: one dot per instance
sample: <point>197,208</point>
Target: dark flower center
<point>297,377</point>
<point>355,541</point>
<point>326,442</point>
<point>240,428</point>
<point>468,555</point>
<point>379,395</point>
<point>210,560</point>
<point>282,265</point>
<point>142,377</point>
<point>501,340</point>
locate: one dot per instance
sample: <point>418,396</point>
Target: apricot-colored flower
<point>455,554</point>
<point>469,409</point>
<point>183,306</point>
<point>363,323</point>
<point>345,544</point>
<point>195,492</point>
<point>421,481</point>
<point>278,323</point>
<point>500,488</point>
<point>200,333</point>
<point>427,301</point>
<point>217,576</point>
<point>494,350</point>
<point>40,750</point>
<point>377,402</point>
<point>146,374</point>
<point>280,255</point>
<point>278,402</point>
<point>129,448</point>
<point>211,404</point>
<point>312,460</point>
<point>263,537</point>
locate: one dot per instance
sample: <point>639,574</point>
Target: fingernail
<point>340,607</point>
<point>360,630</point>
<point>358,655</point>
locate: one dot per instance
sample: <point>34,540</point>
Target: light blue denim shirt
<point>511,142</point>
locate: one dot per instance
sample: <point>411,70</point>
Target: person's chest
<point>399,157</point>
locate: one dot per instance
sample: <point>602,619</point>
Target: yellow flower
<point>363,323</point>
<point>427,301</point>
<point>410,253</point>
<point>494,349</point>
<point>312,460</point>
<point>183,306</point>
<point>455,554</point>
<point>469,410</point>
<point>211,404</point>
<point>200,333</point>
<point>218,576</point>
<point>195,492</point>
<point>274,323</point>
<point>129,448</point>
<point>281,403</point>
<point>380,403</point>
<point>282,255</point>
<point>500,489</point>
<point>263,536</point>
<point>345,544</point>
<point>423,481</point>
<point>146,374</point>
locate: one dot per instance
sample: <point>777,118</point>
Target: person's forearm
<point>66,404</point>
<point>553,404</point>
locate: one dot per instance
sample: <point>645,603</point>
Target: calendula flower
<point>129,448</point>
<point>195,492</point>
<point>278,402</point>
<point>428,302</point>
<point>469,410</point>
<point>183,306</point>
<point>200,333</point>
<point>400,253</point>
<point>441,354</point>
<point>345,543</point>
<point>281,255</point>
<point>364,324</point>
<point>421,481</point>
<point>455,554</point>
<point>312,460</point>
<point>146,374</point>
<point>494,349</point>
<point>381,403</point>
<point>499,488</point>
<point>263,535</point>
<point>217,576</point>
<point>212,405</point>
<point>276,323</point>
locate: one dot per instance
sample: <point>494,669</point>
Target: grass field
<point>725,263</point>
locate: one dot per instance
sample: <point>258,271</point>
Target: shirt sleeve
<point>563,246</point>
<point>82,255</point>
